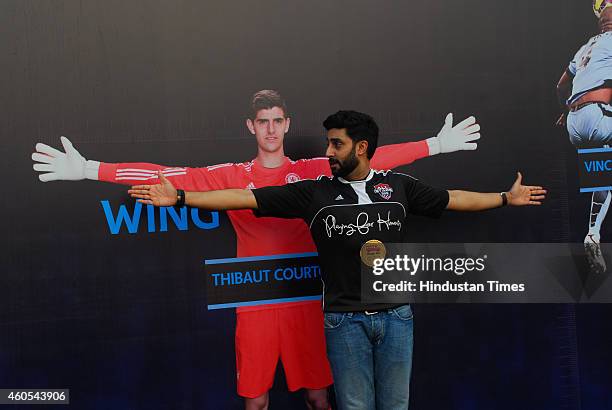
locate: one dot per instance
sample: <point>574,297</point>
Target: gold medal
<point>371,250</point>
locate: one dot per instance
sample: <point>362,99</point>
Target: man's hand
<point>457,138</point>
<point>63,166</point>
<point>162,194</point>
<point>520,195</point>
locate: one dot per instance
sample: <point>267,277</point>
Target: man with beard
<point>369,345</point>
<point>291,332</point>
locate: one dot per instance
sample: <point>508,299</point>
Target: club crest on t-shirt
<point>291,178</point>
<point>384,190</point>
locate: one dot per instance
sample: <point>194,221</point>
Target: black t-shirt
<point>343,215</point>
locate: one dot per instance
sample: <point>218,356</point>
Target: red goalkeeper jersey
<point>257,236</point>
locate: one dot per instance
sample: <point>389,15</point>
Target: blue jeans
<point>371,358</point>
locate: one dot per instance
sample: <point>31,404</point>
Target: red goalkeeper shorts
<point>293,333</point>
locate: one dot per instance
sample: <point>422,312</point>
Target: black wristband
<point>180,198</point>
<point>504,199</point>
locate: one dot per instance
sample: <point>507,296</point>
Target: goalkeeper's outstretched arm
<point>55,165</point>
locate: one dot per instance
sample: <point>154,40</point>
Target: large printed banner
<point>95,285</point>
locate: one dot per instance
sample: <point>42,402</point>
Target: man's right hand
<point>162,194</point>
<point>63,166</point>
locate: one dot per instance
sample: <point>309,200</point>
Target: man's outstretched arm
<point>518,195</point>
<point>450,139</point>
<point>164,194</point>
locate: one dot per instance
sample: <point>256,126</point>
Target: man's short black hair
<point>359,126</point>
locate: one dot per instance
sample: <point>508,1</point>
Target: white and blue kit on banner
<point>591,68</point>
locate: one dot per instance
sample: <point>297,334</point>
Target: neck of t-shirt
<point>358,174</point>
<point>352,181</point>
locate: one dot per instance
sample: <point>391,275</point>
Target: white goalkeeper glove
<point>457,138</point>
<point>63,166</point>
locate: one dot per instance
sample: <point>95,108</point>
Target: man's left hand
<point>520,194</point>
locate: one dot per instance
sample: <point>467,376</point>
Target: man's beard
<point>345,167</point>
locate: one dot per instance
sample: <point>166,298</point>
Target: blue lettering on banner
<point>292,273</point>
<point>114,224</point>
<point>263,275</point>
<point>132,221</point>
<point>238,278</point>
<point>595,169</point>
<point>264,279</point>
<point>179,221</point>
<point>195,218</point>
<point>150,219</point>
<point>598,166</point>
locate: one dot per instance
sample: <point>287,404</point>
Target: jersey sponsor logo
<point>384,190</point>
<point>157,218</point>
<point>250,186</point>
<point>291,178</point>
<point>362,225</point>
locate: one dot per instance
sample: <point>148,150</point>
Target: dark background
<point>121,319</point>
